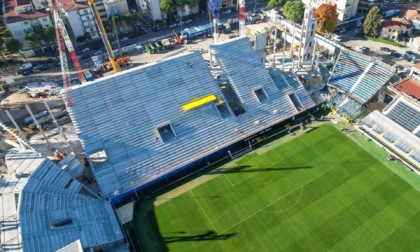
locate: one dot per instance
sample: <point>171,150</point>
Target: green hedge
<point>380,40</point>
<point>384,41</point>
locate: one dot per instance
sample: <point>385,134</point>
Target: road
<point>352,42</point>
<point>55,72</point>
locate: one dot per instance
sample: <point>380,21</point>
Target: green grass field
<point>319,191</point>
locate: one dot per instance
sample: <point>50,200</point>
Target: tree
<point>131,19</point>
<point>326,16</point>
<point>14,46</point>
<point>276,3</point>
<point>87,36</point>
<point>34,39</point>
<point>49,35</point>
<point>166,5</point>
<point>80,39</point>
<point>372,24</point>
<point>294,11</point>
<point>2,42</point>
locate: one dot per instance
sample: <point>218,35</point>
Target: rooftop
<point>395,24</point>
<point>13,17</point>
<point>412,14</point>
<point>409,86</point>
<point>71,5</point>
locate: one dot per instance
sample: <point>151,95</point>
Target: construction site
<point>71,161</point>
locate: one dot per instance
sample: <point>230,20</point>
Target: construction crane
<point>103,35</point>
<point>63,40</point>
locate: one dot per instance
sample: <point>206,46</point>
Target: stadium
<point>236,157</point>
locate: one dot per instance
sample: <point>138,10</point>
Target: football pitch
<point>319,191</point>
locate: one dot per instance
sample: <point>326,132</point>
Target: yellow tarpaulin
<point>200,101</point>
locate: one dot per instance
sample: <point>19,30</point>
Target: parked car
<point>385,49</point>
<point>54,64</point>
<point>391,63</point>
<point>98,52</point>
<point>409,52</point>
<point>40,67</point>
<point>26,72</point>
<point>395,54</point>
<point>87,49</point>
<point>26,66</point>
<point>49,60</point>
<point>362,49</point>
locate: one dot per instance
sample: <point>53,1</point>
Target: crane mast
<point>242,18</point>
<point>103,35</point>
<point>63,40</point>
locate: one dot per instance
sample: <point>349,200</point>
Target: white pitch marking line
<point>277,200</point>
<point>153,233</point>
<point>204,212</point>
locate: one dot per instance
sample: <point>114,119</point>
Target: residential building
<point>345,8</point>
<point>21,17</point>
<point>414,17</point>
<point>396,28</point>
<point>151,8</point>
<point>416,44</point>
<point>80,18</point>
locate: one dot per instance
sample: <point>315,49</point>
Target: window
<point>261,95</point>
<point>313,27</point>
<point>389,30</point>
<point>312,33</point>
<point>85,11</point>
<point>166,132</point>
<point>44,19</point>
<point>310,44</point>
<point>26,23</point>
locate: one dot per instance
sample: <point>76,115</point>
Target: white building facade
<point>80,18</point>
<point>345,8</point>
<point>20,17</point>
<point>152,9</point>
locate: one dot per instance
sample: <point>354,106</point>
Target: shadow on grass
<point>207,236</point>
<point>243,169</point>
<point>146,229</point>
<point>310,129</point>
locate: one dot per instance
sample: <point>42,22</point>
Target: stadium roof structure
<point>134,129</point>
<point>394,133</point>
<point>358,77</point>
<point>42,208</point>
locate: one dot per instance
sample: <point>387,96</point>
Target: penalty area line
<point>204,213</point>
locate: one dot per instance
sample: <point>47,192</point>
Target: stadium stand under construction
<point>356,79</point>
<point>135,131</point>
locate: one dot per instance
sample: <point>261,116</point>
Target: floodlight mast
<point>214,6</point>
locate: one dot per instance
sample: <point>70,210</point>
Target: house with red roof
<point>395,28</point>
<point>414,16</point>
<point>22,16</point>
